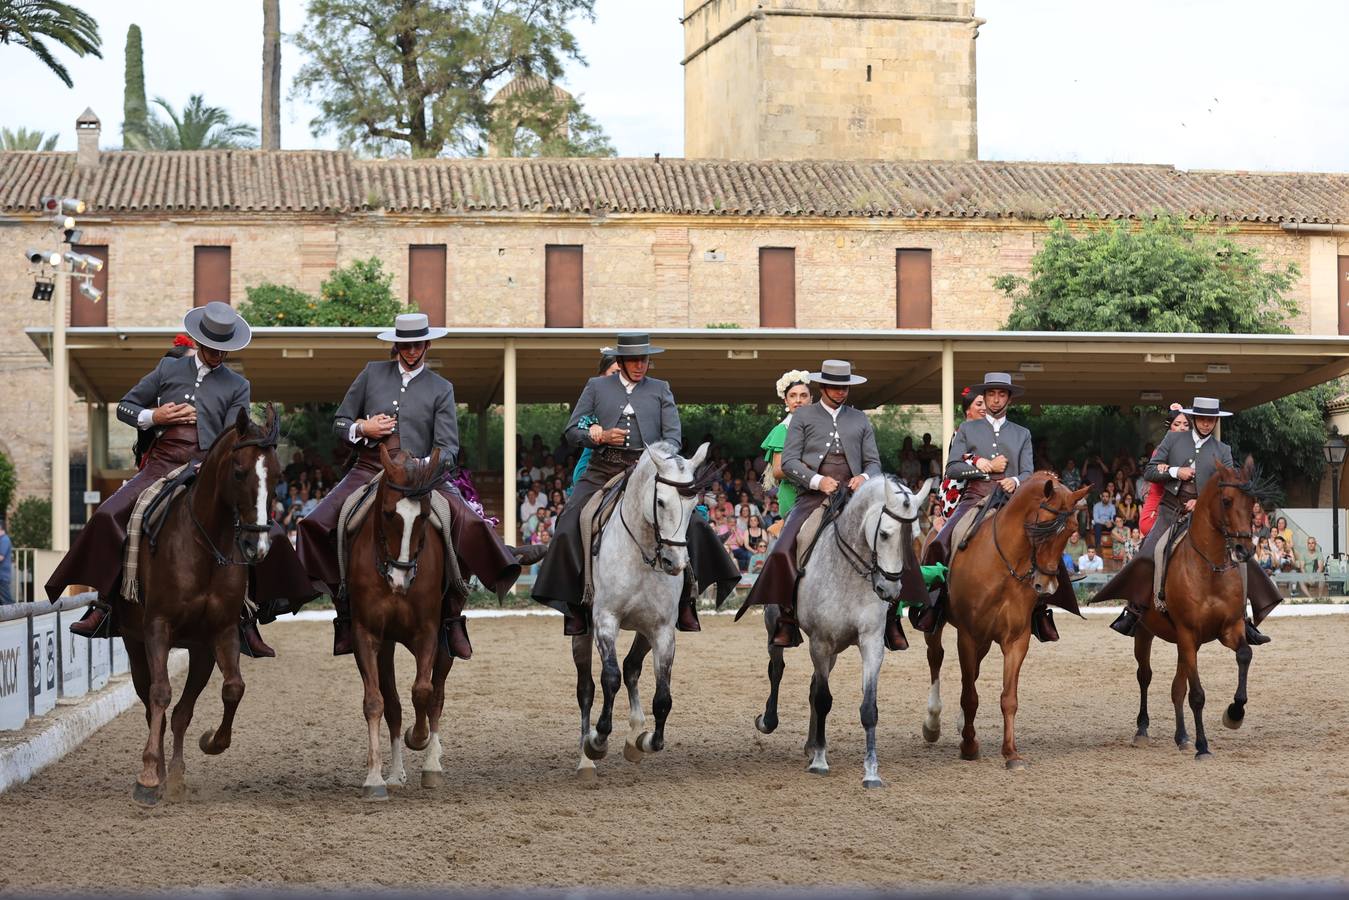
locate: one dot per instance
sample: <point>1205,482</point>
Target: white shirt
<point>352,437</point>
<point>146,419</point>
<point>833,413</point>
<point>1199,441</point>
<point>1089,564</point>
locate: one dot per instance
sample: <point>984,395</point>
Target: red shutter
<point>83,311</point>
<point>913,284</point>
<point>210,275</point>
<point>777,287</point>
<point>1344,296</point>
<point>426,281</point>
<point>563,298</point>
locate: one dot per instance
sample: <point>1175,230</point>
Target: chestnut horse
<point>395,579</point>
<point>1205,601</point>
<point>192,587</point>
<point>1011,561</point>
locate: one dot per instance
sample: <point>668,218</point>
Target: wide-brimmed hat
<point>218,326</point>
<point>836,373</point>
<point>1206,406</point>
<point>412,327</point>
<point>635,343</point>
<point>999,381</point>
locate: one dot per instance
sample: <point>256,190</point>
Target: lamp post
<point>1334,451</point>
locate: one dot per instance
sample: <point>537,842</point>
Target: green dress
<point>774,443</point>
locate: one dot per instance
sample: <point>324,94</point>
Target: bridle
<point>266,441</point>
<point>871,568</point>
<point>383,563</point>
<point>685,489</point>
<point>1036,533</point>
<point>1230,538</point>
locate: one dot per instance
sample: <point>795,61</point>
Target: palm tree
<point>198,127</point>
<point>23,139</point>
<point>26,22</point>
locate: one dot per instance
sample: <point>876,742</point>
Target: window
<point>210,275</point>
<point>777,287</point>
<point>83,311</point>
<point>1344,294</point>
<point>913,287</point>
<point>426,281</point>
<point>563,299</point>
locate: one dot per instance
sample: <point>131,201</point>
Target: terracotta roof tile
<point>311,181</point>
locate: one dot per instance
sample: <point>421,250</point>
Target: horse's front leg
<point>936,653</point>
<point>821,702</point>
<point>201,662</point>
<point>231,691</point>
<point>150,785</point>
<point>1013,655</point>
<point>632,673</point>
<point>393,714</point>
<point>872,649</point>
<point>433,775</point>
<point>1143,656</point>
<point>611,678</point>
<point>366,647</point>
<point>767,722</point>
<point>972,652</point>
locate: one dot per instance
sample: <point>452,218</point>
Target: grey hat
<point>635,343</point>
<point>412,327</point>
<point>999,381</point>
<point>1206,406</point>
<point>218,326</point>
<point>836,373</point>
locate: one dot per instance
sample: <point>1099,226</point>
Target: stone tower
<point>830,79</point>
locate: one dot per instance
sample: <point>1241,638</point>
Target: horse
<point>639,574</point>
<point>1205,601</point>
<point>851,583</point>
<point>192,589</point>
<point>1012,560</point>
<point>395,576</point>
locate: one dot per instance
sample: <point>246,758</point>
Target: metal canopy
<point>293,365</point>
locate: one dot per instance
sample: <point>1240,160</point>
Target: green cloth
<point>932,576</point>
<point>774,443</point>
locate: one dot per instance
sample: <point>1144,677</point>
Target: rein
<point>685,489</point>
<point>1230,538</point>
<point>266,441</point>
<point>860,564</point>
<point>1036,533</point>
<point>415,491</point>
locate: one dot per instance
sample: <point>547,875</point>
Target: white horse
<point>843,598</point>
<point>638,577</point>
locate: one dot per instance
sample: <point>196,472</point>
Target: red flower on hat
<point>183,340</point>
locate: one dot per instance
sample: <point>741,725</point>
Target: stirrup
<point>1127,622</point>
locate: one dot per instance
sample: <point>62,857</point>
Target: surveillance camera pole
<point>60,413</point>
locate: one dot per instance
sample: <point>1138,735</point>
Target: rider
<point>608,365</point>
<point>623,413</point>
<point>1183,463</point>
<point>829,445</point>
<point>402,404</point>
<point>953,488</point>
<point>1175,421</point>
<point>185,402</point>
<point>996,447</point>
<point>793,388</point>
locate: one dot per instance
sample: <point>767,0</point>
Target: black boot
<point>687,619</point>
<point>1254,636</point>
<point>93,623</point>
<point>575,621</point>
<point>342,644</point>
<point>1042,624</point>
<point>251,642</point>
<point>894,631</point>
<point>529,554</point>
<point>788,632</point>
<point>1127,623</point>
<point>927,618</point>
<point>454,638</point>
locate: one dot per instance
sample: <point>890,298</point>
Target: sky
<point>1200,84</point>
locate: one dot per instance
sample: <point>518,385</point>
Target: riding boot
<point>1263,594</point>
<point>1254,636</point>
<point>342,642</point>
<point>454,637</point>
<point>575,621</point>
<point>1127,623</point>
<point>529,554</point>
<point>688,605</point>
<point>1042,623</point>
<point>788,632</point>
<point>928,617</point>
<point>93,623</point>
<point>250,640</point>
<point>894,631</point>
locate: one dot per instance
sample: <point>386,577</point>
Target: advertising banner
<point>14,672</point>
<point>120,664</point>
<point>74,656</point>
<point>100,661</point>
<point>45,664</point>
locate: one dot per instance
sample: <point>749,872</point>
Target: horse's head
<point>255,469</point>
<point>1229,500</point>
<point>1047,529</point>
<point>667,502</point>
<point>887,532</point>
<point>402,515</point>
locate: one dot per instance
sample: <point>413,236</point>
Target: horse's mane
<point>1255,483</point>
<point>421,477</point>
<point>861,500</point>
<point>266,436</point>
<point>667,451</point>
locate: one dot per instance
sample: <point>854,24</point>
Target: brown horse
<point>1011,562</point>
<point>192,588</point>
<point>395,579</point>
<point>1205,601</point>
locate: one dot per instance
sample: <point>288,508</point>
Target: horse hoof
<point>647,743</point>
<point>1016,765</point>
<point>817,770</point>
<point>374,793</point>
<point>931,734</point>
<point>147,797</point>
<point>413,745</point>
<point>433,779</point>
<point>1233,716</point>
<point>763,726</point>
<point>176,789</point>
<point>970,754</point>
<point>588,776</point>
<point>206,742</point>
<point>595,750</point>
<point>1185,746</point>
<point>1142,740</point>
<point>631,753</point>
<point>872,783</point>
<point>1203,756</point>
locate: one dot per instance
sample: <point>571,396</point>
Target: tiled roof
<point>331,182</point>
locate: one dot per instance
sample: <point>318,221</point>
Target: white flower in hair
<point>790,378</point>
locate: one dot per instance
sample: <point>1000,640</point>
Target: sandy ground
<point>722,805</point>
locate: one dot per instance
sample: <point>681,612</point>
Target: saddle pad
<point>147,516</point>
<point>595,514</point>
<point>805,538</point>
<point>962,530</point>
<point>1162,551</point>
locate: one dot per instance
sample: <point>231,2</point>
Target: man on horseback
<point>1183,463</point>
<point>400,403</point>
<point>829,445</point>
<point>186,402</point>
<point>617,416</point>
<point>1002,452</point>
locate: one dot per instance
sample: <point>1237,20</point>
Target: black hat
<point>635,343</point>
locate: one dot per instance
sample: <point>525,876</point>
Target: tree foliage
<point>9,480</point>
<point>410,77</point>
<point>31,523</point>
<point>197,127</point>
<point>135,111</point>
<point>25,23</point>
<point>359,294</point>
<point>23,139</point>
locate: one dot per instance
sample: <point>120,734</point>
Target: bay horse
<point>1205,601</point>
<point>193,582</point>
<point>638,577</point>
<point>1013,559</point>
<point>855,572</point>
<point>395,577</point>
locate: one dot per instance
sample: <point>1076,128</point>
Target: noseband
<point>1230,538</point>
<point>1036,533</point>
<point>685,489</point>
<point>266,441</point>
<point>383,564</point>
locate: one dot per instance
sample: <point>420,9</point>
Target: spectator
<point>1285,557</point>
<point>1076,547</point>
<point>1071,477</point>
<point>6,567</point>
<point>929,456</point>
<point>1102,518</point>
<point>736,545</point>
<point>1089,562</point>
<point>770,514</point>
<point>310,502</point>
<point>292,535</point>
<point>742,516</point>
<point>1259,520</point>
<point>1119,536</point>
<point>1282,530</point>
<point>1314,560</point>
<point>549,468</point>
<point>1094,473</point>
<point>1127,509</point>
<point>910,469</point>
<point>296,467</point>
<point>533,502</point>
<point>1132,544</point>
<point>1264,556</point>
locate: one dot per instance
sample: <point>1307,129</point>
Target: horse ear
<point>384,459</point>
<point>921,497</point>
<point>271,416</point>
<point>699,456</point>
<point>241,421</point>
<point>1080,493</point>
<point>435,460</point>
<point>1049,488</point>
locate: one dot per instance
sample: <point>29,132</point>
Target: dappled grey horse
<point>843,598</point>
<point>638,577</point>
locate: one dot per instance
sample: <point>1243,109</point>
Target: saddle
<point>595,514</point>
<point>809,535</point>
<point>147,520</point>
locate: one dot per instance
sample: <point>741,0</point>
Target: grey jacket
<point>1012,441</point>
<point>425,409</point>
<point>604,398</point>
<point>218,398</point>
<point>813,431</point>
<point>1177,449</point>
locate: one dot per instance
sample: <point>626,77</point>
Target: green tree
<point>25,23</point>
<point>278,305</point>
<point>23,139</point>
<point>535,123</point>
<point>135,112</point>
<point>9,480</point>
<point>197,127</point>
<point>411,76</point>
<point>359,293</point>
<point>31,524</point>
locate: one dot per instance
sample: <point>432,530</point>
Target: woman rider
<point>608,366</point>
<point>793,388</point>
